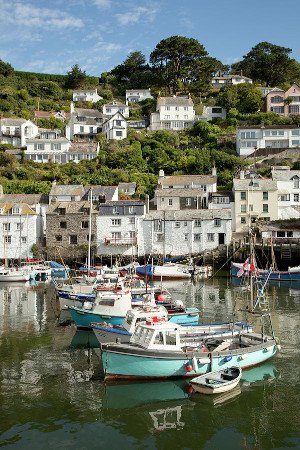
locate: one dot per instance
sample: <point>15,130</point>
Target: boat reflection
<point>259,374</point>
<point>123,395</point>
<point>84,339</point>
<point>218,399</point>
<point>167,418</point>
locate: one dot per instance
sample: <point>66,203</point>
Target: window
<point>81,129</point>
<point>265,207</point>
<point>131,220</point>
<point>19,226</point>
<point>243,195</point>
<point>277,109</point>
<point>119,133</point>
<point>15,211</point>
<point>39,146</point>
<point>284,198</point>
<point>250,208</point>
<point>197,223</point>
<point>177,224</point>
<point>295,98</point>
<point>63,224</point>
<point>6,227</point>
<point>296,132</point>
<point>61,211</point>
<point>170,202</point>
<point>7,239</point>
<point>55,146</point>
<point>296,197</point>
<point>197,237</point>
<point>116,222</point>
<point>132,234</point>
<point>23,239</point>
<point>167,108</point>
<point>58,238</point>
<point>248,135</point>
<point>160,237</point>
<point>185,236</point>
<point>116,235</point>
<point>243,208</point>
<point>296,143</point>
<point>294,109</point>
<point>243,219</point>
<point>157,225</point>
<point>265,196</point>
<point>277,99</point>
<point>217,222</point>
<point>84,224</point>
<point>188,202</point>
<point>210,237</point>
<point>296,182</point>
<point>73,239</point>
<point>185,223</point>
<point>118,123</point>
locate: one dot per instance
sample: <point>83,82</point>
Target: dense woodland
<point>178,65</point>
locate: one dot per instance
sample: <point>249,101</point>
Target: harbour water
<point>52,394</point>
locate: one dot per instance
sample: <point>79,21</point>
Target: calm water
<point>52,394</point>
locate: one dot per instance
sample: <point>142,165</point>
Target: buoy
<point>188,367</point>
<point>189,389</point>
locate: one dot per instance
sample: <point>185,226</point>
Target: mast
<point>90,234</point>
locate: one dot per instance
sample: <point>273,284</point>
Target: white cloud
<point>136,15</point>
<point>102,3</point>
<point>17,13</point>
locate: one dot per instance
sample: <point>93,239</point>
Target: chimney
<point>147,203</point>
<point>242,175</point>
<point>72,108</point>
<point>161,174</point>
<point>214,172</point>
<point>53,183</point>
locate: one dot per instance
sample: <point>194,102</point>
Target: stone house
<point>285,103</point>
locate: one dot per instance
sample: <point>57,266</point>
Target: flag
<point>243,268</point>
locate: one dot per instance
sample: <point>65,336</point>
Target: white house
<point>16,131</point>
<point>137,95</point>
<point>231,80</point>
<point>249,139</point>
<point>288,185</point>
<point>177,192</point>
<point>115,127</point>
<point>86,95</point>
<point>110,109</point>
<point>119,228</point>
<point>173,113</point>
<point>46,146</point>
<point>213,112</point>
<point>185,232</point>
<point>22,224</point>
<point>84,124</point>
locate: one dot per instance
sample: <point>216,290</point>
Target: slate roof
<point>124,203</point>
<point>107,191</point>
<point>173,180</point>
<point>262,184</point>
<point>83,147</point>
<point>70,207</point>
<point>82,112</point>
<point>175,101</point>
<point>114,103</point>
<point>29,199</point>
<point>178,192</point>
<point>11,122</point>
<point>284,175</point>
<point>67,189</point>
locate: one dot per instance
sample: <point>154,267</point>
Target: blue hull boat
<point>292,274</point>
<point>84,319</point>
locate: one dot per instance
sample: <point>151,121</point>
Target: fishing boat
<point>9,274</point>
<point>242,269</point>
<point>218,382</point>
<point>154,314</point>
<point>169,271</point>
<point>160,351</point>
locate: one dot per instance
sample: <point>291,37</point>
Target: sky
<point>52,36</point>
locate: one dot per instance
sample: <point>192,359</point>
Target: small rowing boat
<point>217,382</point>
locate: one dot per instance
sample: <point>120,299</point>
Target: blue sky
<point>51,36</point>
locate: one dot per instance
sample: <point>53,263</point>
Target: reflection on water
<point>51,375</point>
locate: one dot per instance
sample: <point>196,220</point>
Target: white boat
<point>169,271</point>
<point>218,382</point>
<point>13,274</point>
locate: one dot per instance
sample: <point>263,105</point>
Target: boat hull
<point>162,272</point>
<point>288,275</point>
<point>138,363</point>
<point>214,382</point>
<point>84,319</point>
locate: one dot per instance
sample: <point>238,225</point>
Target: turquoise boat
<point>159,351</point>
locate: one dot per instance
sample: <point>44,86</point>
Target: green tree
<point>246,98</point>
<point>268,63</point>
<point>6,69</point>
<point>76,78</point>
<point>135,62</point>
<point>174,58</point>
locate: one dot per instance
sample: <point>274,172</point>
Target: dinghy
<point>217,382</point>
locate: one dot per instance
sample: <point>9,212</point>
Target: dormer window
<point>15,210</point>
<point>296,182</point>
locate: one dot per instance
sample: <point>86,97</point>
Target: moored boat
<point>169,271</point>
<point>9,274</point>
<point>292,274</point>
<point>217,382</point>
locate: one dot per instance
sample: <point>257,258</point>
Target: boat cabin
<point>144,314</point>
<point>157,334</point>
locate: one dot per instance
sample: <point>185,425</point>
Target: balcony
<point>120,241</point>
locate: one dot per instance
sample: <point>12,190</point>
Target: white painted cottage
<point>115,127</point>
<point>16,131</point>
<point>173,113</point>
<point>110,109</point>
<point>137,95</point>
<point>86,95</point>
